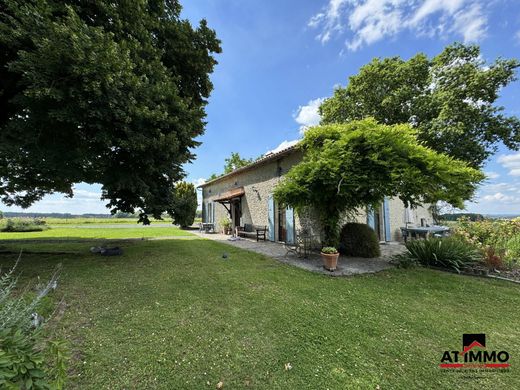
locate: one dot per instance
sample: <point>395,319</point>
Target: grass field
<point>173,314</point>
<point>69,232</point>
<point>97,221</point>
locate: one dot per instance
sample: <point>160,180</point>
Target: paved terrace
<point>346,265</point>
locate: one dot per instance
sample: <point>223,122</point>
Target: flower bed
<point>499,240</point>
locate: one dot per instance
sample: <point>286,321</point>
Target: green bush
<point>450,252</point>
<point>512,253</point>
<point>28,359</point>
<point>24,225</point>
<point>21,363</point>
<point>184,204</point>
<point>359,240</point>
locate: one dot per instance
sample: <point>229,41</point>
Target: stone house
<point>245,197</point>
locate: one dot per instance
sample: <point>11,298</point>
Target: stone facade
<point>258,181</point>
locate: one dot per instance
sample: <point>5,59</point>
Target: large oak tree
<point>109,92</point>
<point>451,99</point>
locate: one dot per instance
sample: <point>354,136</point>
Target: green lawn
<point>71,232</point>
<point>173,314</point>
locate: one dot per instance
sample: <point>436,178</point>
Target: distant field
<point>71,232</point>
<point>93,221</point>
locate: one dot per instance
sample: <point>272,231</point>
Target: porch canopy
<point>229,196</point>
<point>231,201</point>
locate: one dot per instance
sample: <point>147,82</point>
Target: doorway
<point>282,224</point>
<point>236,213</point>
<point>378,221</point>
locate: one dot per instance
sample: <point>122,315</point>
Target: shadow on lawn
<point>60,245</point>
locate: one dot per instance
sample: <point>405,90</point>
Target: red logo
<point>474,355</point>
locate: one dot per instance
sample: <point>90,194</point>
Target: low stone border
<point>502,278</point>
<point>478,275</point>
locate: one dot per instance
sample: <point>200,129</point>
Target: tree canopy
<point>348,167</point>
<point>235,161</point>
<point>184,206</point>
<point>100,92</point>
<point>450,99</point>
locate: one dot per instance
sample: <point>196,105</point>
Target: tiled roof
<point>262,160</point>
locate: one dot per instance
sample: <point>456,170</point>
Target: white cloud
<point>284,145</point>
<point>502,187</point>
<point>500,197</point>
<point>492,175</point>
<point>330,18</point>
<point>308,115</point>
<point>372,20</point>
<point>199,181</point>
<point>511,162</point>
<point>471,23</point>
<point>57,203</point>
<point>86,195</point>
<point>517,36</point>
<point>196,183</point>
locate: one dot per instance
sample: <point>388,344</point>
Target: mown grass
<point>175,314</point>
<point>73,232</point>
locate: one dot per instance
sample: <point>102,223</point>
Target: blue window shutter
<point>289,225</point>
<point>270,217</point>
<point>386,217</point>
<point>371,218</point>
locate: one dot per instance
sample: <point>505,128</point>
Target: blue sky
<point>281,57</point>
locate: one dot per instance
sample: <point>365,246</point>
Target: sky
<point>280,60</point>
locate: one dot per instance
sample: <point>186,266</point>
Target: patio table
<point>424,231</point>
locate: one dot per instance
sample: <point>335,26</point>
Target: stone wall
<point>259,182</point>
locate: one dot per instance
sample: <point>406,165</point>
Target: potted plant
<point>329,255</point>
<point>226,226</point>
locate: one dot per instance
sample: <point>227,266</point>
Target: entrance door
<point>235,214</point>
<point>282,225</point>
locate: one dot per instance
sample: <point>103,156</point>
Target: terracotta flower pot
<point>330,260</point>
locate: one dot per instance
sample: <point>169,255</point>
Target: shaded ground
<point>346,265</point>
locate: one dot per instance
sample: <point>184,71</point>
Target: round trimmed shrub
<point>358,240</point>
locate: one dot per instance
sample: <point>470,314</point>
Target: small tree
<point>184,204</point>
<point>347,167</point>
<point>235,161</point>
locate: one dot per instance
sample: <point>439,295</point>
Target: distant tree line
<point>456,216</point>
<point>9,214</point>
